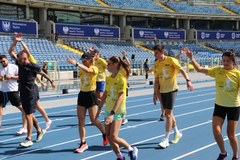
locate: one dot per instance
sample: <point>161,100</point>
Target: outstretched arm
<point>194,62</point>
<point>12,49</point>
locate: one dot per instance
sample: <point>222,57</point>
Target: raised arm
<point>12,49</point>
<point>86,69</point>
<point>198,68</point>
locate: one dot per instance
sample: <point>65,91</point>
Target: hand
<point>189,53</point>
<point>155,99</point>
<point>53,84</point>
<point>190,86</point>
<point>123,53</point>
<point>18,37</point>
<point>109,119</point>
<point>71,61</point>
<point>7,77</point>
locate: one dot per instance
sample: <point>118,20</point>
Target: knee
<point>168,114</point>
<point>112,138</point>
<point>231,136</point>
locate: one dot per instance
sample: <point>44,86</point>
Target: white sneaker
<point>22,131</point>
<point>26,143</point>
<point>48,124</point>
<point>164,143</point>
<point>176,138</point>
<point>124,121</point>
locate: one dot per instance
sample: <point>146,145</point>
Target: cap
<point>86,56</point>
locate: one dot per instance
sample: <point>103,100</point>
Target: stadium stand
<point>235,8</point>
<point>185,7</point>
<point>140,4</point>
<point>109,48</point>
<point>85,2</point>
<point>225,46</point>
<point>43,50</point>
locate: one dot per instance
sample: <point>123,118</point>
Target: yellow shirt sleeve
<point>212,72</point>
<point>32,59</point>
<point>176,64</point>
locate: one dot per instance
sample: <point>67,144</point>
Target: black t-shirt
<point>27,75</point>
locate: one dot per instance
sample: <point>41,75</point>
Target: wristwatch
<point>112,113</point>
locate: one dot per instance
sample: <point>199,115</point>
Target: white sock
<point>175,129</point>
<point>130,148</point>
<point>167,135</point>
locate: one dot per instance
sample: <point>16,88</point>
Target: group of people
<point>18,85</point>
<point>96,89</point>
<point>227,102</point>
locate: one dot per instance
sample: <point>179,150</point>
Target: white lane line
<point>140,113</point>
<point>199,149</point>
<point>66,142</point>
<point>150,139</point>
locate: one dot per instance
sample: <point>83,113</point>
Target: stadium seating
<point>234,8</point>
<point>223,46</point>
<point>86,2</point>
<point>139,4</point>
<point>43,50</point>
<point>110,48</point>
<point>184,7</point>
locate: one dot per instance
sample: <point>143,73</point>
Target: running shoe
<point>176,138</point>
<point>48,124</point>
<point>222,156</point>
<point>105,140</point>
<point>133,154</point>
<point>26,143</point>
<point>21,131</point>
<point>164,143</point>
<point>81,148</point>
<point>162,117</point>
<point>121,158</point>
<point>234,158</point>
<point>40,135</point>
<point>124,121</point>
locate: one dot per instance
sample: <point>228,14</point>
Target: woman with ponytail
<point>115,110</point>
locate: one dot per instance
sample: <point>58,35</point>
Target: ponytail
<point>121,63</point>
<point>125,66</point>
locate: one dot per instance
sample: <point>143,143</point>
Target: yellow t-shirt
<point>227,86</point>
<point>123,72</point>
<point>88,80</point>
<point>114,86</point>
<point>167,71</point>
<point>101,64</point>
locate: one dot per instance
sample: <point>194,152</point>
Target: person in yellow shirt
<point>227,101</point>
<point>101,64</point>
<point>87,99</point>
<point>166,70</point>
<point>115,111</point>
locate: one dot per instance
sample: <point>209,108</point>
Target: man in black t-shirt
<point>28,95</point>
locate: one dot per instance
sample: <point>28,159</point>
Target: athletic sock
<point>175,129</point>
<point>167,135</point>
<point>119,155</point>
<point>130,148</point>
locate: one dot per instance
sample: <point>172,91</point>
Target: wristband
<point>188,80</point>
<point>51,81</point>
<point>76,64</point>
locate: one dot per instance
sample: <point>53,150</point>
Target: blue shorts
<point>116,116</point>
<point>100,86</point>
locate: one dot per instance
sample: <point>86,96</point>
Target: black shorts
<point>13,97</point>
<point>168,99</point>
<point>29,100</point>
<point>37,92</point>
<point>232,113</point>
<point>87,99</point>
